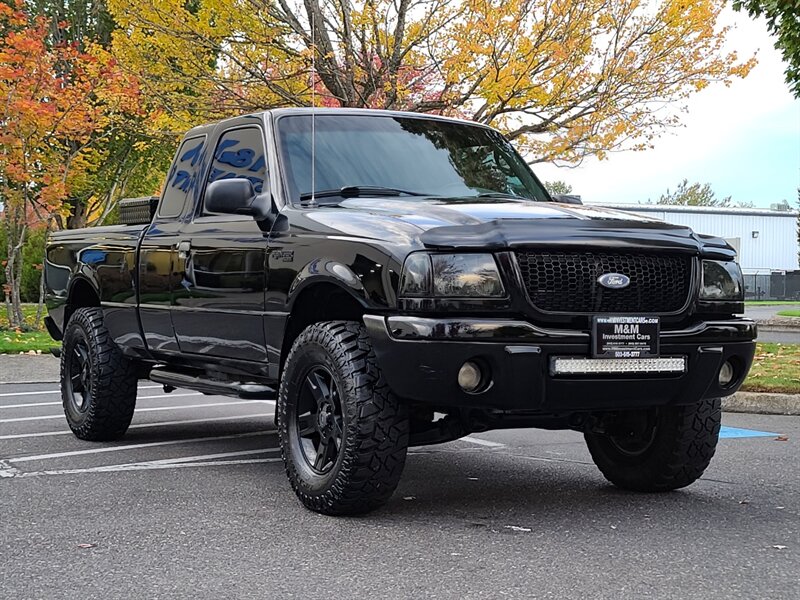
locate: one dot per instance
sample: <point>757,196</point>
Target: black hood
<point>492,223</point>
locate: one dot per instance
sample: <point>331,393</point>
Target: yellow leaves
<point>565,78</point>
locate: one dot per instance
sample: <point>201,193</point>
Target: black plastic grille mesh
<point>567,282</point>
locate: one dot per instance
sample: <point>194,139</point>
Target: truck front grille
<point>566,282</point>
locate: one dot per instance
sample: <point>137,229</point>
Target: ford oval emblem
<point>614,281</point>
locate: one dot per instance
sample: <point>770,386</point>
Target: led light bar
<point>583,366</point>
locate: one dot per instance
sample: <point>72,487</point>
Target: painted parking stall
<point>179,430</point>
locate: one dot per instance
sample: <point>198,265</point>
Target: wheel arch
<point>317,300</point>
<point>81,294</point>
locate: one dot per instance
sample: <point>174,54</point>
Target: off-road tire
<point>684,442</point>
<point>374,429</point>
<point>107,410</point>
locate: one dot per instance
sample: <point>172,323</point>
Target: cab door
<point>157,277</point>
<point>218,304</point>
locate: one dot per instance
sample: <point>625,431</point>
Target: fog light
<point>469,376</point>
<point>726,374</point>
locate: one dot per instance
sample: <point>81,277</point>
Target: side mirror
<point>237,197</point>
<point>567,198</point>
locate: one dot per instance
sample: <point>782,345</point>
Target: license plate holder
<point>625,336</point>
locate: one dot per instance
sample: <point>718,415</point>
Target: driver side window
<point>240,154</point>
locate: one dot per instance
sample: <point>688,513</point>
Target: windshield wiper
<point>501,195</point>
<point>353,191</point>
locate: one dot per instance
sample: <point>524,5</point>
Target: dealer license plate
<point>625,337</point>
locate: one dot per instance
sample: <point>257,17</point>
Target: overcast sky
<point>744,140</point>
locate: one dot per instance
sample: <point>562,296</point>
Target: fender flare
<point>323,270</point>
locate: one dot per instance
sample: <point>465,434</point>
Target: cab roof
<point>319,111</point>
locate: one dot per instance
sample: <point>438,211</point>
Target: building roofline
<point>717,210</point>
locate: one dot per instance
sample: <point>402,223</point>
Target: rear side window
<point>182,177</point>
<point>240,154</point>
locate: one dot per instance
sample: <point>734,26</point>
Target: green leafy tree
<point>558,187</point>
<point>695,194</point>
<point>798,224</point>
<point>75,21</point>
<point>783,21</point>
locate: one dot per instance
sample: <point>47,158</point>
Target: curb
<point>28,368</point>
<point>762,403</point>
<point>777,329</point>
<point>779,324</point>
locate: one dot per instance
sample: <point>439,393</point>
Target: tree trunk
<point>77,220</point>
<point>13,272</point>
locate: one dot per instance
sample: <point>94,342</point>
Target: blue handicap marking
<point>737,433</point>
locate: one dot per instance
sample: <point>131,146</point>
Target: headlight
<point>451,276</point>
<point>722,280</point>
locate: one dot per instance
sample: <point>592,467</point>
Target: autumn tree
<point>564,79</point>
<point>783,22</point>
<point>131,158</point>
<point>56,104</point>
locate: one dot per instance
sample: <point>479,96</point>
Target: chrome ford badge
<point>614,281</point>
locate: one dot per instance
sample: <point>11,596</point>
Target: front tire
<point>657,450</point>
<point>98,384</point>
<point>343,433</point>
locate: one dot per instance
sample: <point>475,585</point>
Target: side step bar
<point>198,383</point>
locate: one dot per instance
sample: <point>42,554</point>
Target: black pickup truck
<point>396,279</point>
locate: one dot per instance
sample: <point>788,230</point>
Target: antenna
<point>313,200</point>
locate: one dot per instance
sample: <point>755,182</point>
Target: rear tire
<point>98,384</point>
<point>343,433</point>
<point>660,449</point>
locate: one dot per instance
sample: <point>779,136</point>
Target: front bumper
<point>420,359</point>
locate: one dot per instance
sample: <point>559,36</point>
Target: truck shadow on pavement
<point>497,489</point>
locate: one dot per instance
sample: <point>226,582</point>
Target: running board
<point>238,389</point>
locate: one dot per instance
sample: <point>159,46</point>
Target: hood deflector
<point>557,234</point>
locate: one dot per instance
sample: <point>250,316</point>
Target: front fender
<point>323,270</point>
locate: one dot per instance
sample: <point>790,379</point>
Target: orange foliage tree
<point>56,104</point>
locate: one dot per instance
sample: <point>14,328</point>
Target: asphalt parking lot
<point>193,503</point>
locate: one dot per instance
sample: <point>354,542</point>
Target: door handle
<point>183,249</point>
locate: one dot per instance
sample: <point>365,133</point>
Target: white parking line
<point>17,436</point>
<point>145,466</point>
<point>480,442</point>
<point>231,403</point>
<point>59,403</point>
<point>7,394</point>
<point>188,459</point>
<point>134,446</point>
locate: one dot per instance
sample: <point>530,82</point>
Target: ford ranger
<point>395,279</point>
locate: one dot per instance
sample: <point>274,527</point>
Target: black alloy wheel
<point>78,385</point>
<point>319,420</point>
<point>633,435</point>
<point>343,433</point>
<point>98,384</point>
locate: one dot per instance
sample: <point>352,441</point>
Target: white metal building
<point>766,240</point>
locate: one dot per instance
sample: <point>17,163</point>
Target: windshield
<point>420,156</point>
